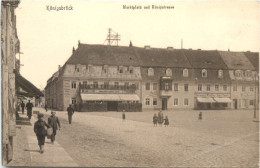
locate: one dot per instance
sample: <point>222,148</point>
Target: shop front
<point>212,101</point>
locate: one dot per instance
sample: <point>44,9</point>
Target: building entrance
<point>164,103</point>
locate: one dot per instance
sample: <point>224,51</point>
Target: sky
<point>47,36</point>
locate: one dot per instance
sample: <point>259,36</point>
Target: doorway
<point>112,105</point>
<point>235,103</point>
<point>164,103</point>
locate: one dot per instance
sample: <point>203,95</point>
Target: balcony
<point>166,93</point>
<point>112,89</point>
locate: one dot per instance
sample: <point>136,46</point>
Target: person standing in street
<point>70,111</point>
<point>200,116</point>
<point>40,131</point>
<point>155,120</point>
<point>29,107</point>
<point>160,118</point>
<point>123,115</point>
<point>46,107</point>
<point>166,121</point>
<point>22,105</point>
<point>54,123</point>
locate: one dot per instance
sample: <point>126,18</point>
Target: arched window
<point>150,72</point>
<point>168,72</point>
<point>220,73</point>
<point>185,73</point>
<point>204,73</point>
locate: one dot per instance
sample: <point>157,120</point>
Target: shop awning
<point>26,88</point>
<point>109,97</point>
<point>223,100</point>
<point>205,100</point>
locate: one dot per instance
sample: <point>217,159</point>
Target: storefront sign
<point>217,95</point>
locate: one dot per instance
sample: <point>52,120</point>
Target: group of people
<point>160,120</point>
<point>28,107</point>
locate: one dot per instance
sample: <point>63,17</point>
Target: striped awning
<point>205,100</point>
<point>110,97</point>
<point>223,100</point>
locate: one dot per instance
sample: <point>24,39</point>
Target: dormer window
<point>150,72</point>
<point>185,73</point>
<point>238,74</point>
<point>77,68</point>
<point>168,72</point>
<point>120,69</point>
<point>220,73</point>
<point>248,73</point>
<point>204,73</point>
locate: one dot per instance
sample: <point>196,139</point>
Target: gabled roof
<point>163,58</point>
<point>126,56</point>
<point>253,58</point>
<point>205,59</point>
<point>236,60</point>
<point>104,55</point>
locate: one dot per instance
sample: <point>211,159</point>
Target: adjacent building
<point>116,78</point>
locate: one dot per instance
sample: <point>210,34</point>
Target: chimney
<point>59,67</point>
<point>130,45</point>
<point>147,47</point>
<point>169,48</point>
<point>78,43</point>
<point>73,50</point>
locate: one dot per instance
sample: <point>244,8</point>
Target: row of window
<point>120,69</point>
<point>168,72</point>
<point>175,101</point>
<point>208,87</point>
<point>97,85</point>
<point>243,89</point>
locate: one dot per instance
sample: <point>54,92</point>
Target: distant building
<point>113,78</point>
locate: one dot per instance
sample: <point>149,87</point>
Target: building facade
<point>156,78</point>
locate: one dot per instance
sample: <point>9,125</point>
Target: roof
<point>205,59</point>
<point>236,60</point>
<point>27,86</point>
<point>253,58</point>
<point>121,55</point>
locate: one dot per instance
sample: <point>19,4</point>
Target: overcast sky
<point>47,37</point>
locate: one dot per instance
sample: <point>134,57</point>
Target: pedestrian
<point>123,115</point>
<point>160,118</point>
<point>70,111</point>
<point>40,131</point>
<point>54,123</point>
<point>46,107</point>
<point>22,105</point>
<point>29,107</point>
<point>155,119</point>
<point>200,116</point>
<point>166,121</point>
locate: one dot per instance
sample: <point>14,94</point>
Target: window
<point>220,73</point>
<point>185,73</point>
<point>95,85</point>
<point>120,68</point>
<point>243,88</point>
<point>73,100</point>
<point>85,84</point>
<point>251,102</point>
<point>154,86</point>
<point>225,87</point>
<point>147,101</point>
<point>238,73</point>
<point>251,89</point>
<point>131,70</point>
<point>175,86</point>
<point>186,87</point>
<point>106,85</point>
<point>147,86</point>
<point>126,85</point>
<point>105,67</point>
<point>216,87</point>
<point>154,101</point>
<point>208,87</point>
<point>77,69</point>
<point>73,85</point>
<point>137,86</point>
<point>168,72</point>
<point>186,102</point>
<point>166,86</point>
<point>116,85</point>
<point>175,102</point>
<point>248,73</point>
<point>204,73</point>
<point>150,72</point>
<point>234,88</point>
<point>199,87</point>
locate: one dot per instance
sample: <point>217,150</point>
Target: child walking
<point>155,120</point>
<point>166,121</point>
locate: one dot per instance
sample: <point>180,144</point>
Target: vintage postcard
<point>130,83</point>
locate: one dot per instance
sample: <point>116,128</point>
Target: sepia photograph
<point>89,83</point>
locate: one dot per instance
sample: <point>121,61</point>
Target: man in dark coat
<point>70,111</point>
<point>54,123</point>
<point>22,105</point>
<point>40,131</point>
<point>29,107</point>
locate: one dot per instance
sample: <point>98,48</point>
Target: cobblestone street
<point>221,139</point>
